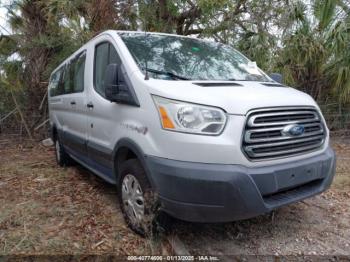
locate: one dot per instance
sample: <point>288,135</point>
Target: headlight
<point>190,118</point>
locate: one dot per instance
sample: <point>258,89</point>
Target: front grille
<point>265,136</point>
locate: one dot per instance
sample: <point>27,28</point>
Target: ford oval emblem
<point>293,130</point>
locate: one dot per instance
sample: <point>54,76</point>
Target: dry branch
<point>43,101</point>
<point>8,115</point>
<point>21,115</point>
<point>42,124</point>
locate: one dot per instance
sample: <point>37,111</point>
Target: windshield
<point>181,58</point>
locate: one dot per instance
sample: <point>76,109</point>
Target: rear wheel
<point>62,158</point>
<point>137,199</point>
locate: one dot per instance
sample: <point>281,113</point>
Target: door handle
<point>90,105</point>
<point>73,103</point>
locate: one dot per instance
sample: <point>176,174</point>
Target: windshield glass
<point>181,58</point>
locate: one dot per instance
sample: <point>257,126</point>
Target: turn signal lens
<point>166,122</point>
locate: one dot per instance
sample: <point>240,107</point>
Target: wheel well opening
<point>124,154</point>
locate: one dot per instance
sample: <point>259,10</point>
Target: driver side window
<point>105,54</point>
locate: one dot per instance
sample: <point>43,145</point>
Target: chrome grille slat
<point>249,139</point>
<point>281,127</point>
<point>280,138</point>
<point>285,142</point>
<point>252,122</point>
<point>263,137</point>
<point>289,152</point>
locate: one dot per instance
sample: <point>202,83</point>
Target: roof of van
<point>122,32</point>
<point>143,32</point>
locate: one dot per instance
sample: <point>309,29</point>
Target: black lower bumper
<point>221,193</point>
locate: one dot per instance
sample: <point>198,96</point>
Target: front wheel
<point>137,199</point>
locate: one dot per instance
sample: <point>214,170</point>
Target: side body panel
<point>109,122</point>
<point>74,130</point>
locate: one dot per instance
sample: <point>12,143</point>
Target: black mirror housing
<point>118,87</point>
<point>277,77</point>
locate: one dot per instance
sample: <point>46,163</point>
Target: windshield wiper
<point>165,73</point>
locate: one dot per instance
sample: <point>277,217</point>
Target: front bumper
<point>220,193</point>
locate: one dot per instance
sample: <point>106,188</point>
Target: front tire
<point>137,199</point>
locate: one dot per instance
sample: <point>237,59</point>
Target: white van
<point>190,125</point>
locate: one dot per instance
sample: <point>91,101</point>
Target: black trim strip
<point>100,154</point>
<point>205,84</point>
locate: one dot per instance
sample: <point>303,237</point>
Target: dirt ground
<point>45,209</point>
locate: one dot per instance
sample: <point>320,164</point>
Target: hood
<point>234,97</point>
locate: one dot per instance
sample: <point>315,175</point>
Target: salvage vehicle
<point>188,127</point>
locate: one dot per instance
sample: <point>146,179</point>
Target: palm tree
<point>315,56</point>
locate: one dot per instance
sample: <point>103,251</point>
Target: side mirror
<point>118,87</point>
<point>111,82</point>
<point>277,77</point>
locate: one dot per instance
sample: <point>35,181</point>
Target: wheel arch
<point>127,149</point>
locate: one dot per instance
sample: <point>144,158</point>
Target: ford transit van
<point>187,125</point>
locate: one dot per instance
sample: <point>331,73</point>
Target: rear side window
<point>73,77</point>
<point>105,54</point>
<point>55,88</point>
<point>69,78</point>
<point>67,82</point>
<point>79,67</point>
